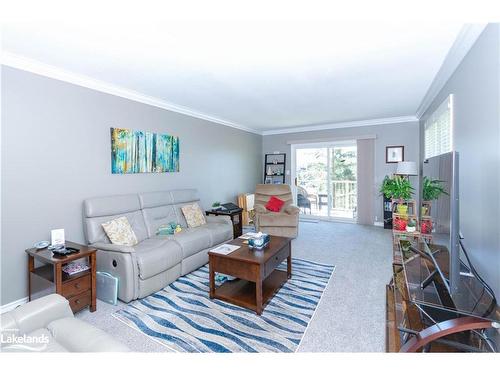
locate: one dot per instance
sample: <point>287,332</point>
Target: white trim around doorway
<point>339,141</point>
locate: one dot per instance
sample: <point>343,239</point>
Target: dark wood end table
<point>236,217</point>
<point>79,289</point>
<point>258,279</point>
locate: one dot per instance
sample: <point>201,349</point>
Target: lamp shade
<point>407,168</point>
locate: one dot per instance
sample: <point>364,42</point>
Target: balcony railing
<point>343,194</point>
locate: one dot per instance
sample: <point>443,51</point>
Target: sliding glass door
<point>326,181</point>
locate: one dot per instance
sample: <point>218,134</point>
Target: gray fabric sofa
<point>47,324</point>
<point>155,261</point>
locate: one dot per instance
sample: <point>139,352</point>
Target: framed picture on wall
<point>394,154</point>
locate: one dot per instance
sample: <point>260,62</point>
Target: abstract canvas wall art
<point>137,151</point>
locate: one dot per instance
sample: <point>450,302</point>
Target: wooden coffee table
<point>258,279</point>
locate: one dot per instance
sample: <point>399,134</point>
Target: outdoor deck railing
<point>344,192</point>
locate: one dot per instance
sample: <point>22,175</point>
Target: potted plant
<point>431,190</point>
<point>397,188</point>
<point>216,206</point>
<point>405,245</point>
<point>426,226</point>
<point>411,226</point>
<point>400,223</point>
<point>387,188</point>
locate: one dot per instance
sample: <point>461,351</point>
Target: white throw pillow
<point>194,215</point>
<point>120,232</point>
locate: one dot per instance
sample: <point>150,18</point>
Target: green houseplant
<point>387,187</point>
<point>432,189</point>
<point>411,226</point>
<point>397,188</point>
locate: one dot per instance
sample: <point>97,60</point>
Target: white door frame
<point>293,173</point>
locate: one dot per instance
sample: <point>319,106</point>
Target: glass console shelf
<point>471,300</point>
<point>467,321</point>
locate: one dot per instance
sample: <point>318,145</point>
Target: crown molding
<point>462,45</point>
<point>37,67</point>
<point>347,124</point>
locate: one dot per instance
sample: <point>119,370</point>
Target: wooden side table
<point>79,289</point>
<point>236,218</point>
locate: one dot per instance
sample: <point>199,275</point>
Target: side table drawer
<point>80,301</point>
<point>76,286</point>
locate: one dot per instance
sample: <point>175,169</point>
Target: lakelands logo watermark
<point>13,340</point>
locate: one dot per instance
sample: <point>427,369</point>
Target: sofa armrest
<point>222,219</point>
<point>292,209</point>
<point>113,247</point>
<point>260,209</point>
<point>37,314</point>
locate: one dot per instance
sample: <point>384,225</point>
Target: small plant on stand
<point>399,223</point>
<point>399,189</point>
<point>402,193</point>
<point>426,226</point>
<point>411,226</point>
<point>405,246</point>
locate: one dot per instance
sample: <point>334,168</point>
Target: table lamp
<point>407,168</point>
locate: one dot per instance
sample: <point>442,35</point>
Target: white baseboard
<point>12,305</point>
<point>378,223</point>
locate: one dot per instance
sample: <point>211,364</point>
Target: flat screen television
<point>445,212</point>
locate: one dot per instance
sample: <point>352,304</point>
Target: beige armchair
<point>284,223</point>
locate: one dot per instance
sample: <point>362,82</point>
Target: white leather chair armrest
<point>37,313</point>
<point>113,247</point>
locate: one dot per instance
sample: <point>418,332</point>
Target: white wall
<point>56,151</point>
<point>475,86</point>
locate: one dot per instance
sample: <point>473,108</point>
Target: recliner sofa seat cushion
<point>156,255</point>
<point>219,232</point>
<point>191,240</point>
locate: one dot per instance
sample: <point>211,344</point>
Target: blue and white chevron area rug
<point>185,319</point>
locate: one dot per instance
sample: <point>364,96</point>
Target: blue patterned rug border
<point>288,296</point>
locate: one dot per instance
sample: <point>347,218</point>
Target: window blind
<point>438,130</point>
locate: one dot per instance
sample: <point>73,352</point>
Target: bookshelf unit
<point>276,165</point>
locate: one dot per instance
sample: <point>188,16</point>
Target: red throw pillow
<point>275,204</point>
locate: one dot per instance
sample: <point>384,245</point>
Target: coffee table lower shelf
<point>242,292</point>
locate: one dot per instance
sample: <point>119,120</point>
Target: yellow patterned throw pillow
<point>120,232</point>
<point>194,216</point>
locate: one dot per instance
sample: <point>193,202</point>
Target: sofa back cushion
<point>99,210</point>
<point>163,207</point>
